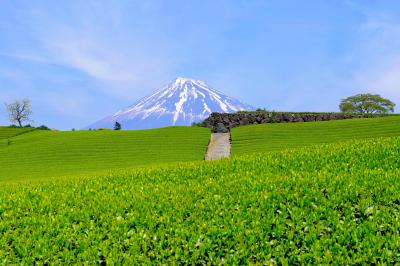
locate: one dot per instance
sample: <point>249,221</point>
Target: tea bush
<point>330,204</point>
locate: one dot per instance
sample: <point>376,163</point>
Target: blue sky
<point>79,61</point>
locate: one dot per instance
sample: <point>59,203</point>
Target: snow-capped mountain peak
<point>181,102</point>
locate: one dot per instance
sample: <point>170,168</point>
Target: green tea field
<point>7,132</point>
<point>42,154</point>
<point>329,204</point>
<point>274,137</point>
<point>200,133</point>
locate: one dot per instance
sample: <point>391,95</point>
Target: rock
<point>244,121</point>
<point>285,118</point>
<point>223,123</point>
<point>220,128</point>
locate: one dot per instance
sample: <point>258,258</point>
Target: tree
<point>19,111</point>
<point>117,126</point>
<point>366,104</point>
<point>43,127</point>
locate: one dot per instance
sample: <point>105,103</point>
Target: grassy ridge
<point>274,137</point>
<point>9,132</point>
<point>337,203</point>
<point>50,153</point>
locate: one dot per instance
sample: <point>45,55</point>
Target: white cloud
<point>380,72</point>
<point>104,48</point>
<point>88,58</point>
<point>27,56</point>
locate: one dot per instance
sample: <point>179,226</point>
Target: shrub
<point>43,127</point>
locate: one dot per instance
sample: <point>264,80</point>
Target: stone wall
<point>222,122</point>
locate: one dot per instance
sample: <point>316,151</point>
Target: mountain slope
<point>181,102</point>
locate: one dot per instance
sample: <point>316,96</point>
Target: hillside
<point>274,137</point>
<point>335,204</point>
<point>51,153</point>
<point>9,132</point>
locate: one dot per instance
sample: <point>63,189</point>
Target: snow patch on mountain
<point>182,102</point>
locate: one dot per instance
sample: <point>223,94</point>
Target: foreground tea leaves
<point>334,204</point>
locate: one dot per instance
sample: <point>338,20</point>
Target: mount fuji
<point>182,102</point>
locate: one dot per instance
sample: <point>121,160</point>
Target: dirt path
<point>219,147</point>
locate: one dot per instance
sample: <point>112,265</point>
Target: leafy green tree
<point>367,104</point>
<point>117,126</point>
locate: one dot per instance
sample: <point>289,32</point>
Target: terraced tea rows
<point>336,204</point>
<point>8,132</point>
<point>274,137</point>
<point>50,153</point>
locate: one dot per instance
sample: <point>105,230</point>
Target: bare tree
<point>19,111</point>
